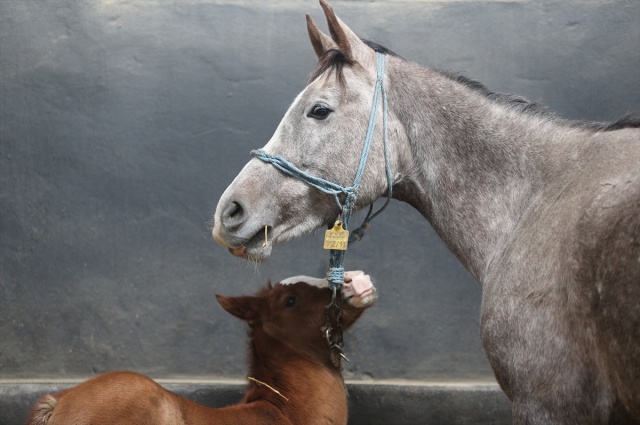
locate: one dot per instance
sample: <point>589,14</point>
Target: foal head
<point>322,133</point>
<point>292,311</point>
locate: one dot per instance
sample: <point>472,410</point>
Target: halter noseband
<point>335,272</point>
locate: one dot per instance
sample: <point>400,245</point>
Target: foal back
<point>133,400</point>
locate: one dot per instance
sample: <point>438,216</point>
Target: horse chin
<point>255,250</point>
<point>256,255</point>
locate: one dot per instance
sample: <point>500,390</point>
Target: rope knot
<point>335,276</point>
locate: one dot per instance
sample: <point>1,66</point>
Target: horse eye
<point>290,301</point>
<point>319,112</point>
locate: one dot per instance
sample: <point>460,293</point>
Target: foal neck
<point>299,378</point>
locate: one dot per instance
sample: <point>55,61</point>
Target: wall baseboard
<point>370,402</point>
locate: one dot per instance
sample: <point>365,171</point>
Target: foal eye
<point>290,301</point>
<point>319,112</point>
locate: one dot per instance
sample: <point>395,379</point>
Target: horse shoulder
<point>536,301</point>
<point>607,272</point>
<point>527,323</point>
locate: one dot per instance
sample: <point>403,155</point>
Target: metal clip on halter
<point>334,340</point>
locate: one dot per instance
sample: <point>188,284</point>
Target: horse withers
<point>543,212</point>
<point>294,375</point>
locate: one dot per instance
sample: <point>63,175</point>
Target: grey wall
<point>122,122</point>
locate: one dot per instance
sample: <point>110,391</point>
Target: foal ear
<point>348,42</point>
<point>245,307</point>
<point>319,40</point>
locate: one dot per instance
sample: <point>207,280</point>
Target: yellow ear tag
<point>336,237</point>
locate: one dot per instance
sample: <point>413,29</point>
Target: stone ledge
<point>370,402</point>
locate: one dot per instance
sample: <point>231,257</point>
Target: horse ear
<point>348,42</point>
<point>244,307</point>
<point>319,40</point>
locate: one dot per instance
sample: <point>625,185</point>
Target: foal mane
<point>335,60</point>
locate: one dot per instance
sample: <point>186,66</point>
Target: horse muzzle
<point>240,236</point>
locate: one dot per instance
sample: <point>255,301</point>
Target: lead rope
<point>333,336</point>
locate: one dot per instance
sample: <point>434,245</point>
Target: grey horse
<point>543,212</point>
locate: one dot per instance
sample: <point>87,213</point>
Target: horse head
<point>322,133</point>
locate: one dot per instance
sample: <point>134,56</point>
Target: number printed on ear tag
<point>336,237</point>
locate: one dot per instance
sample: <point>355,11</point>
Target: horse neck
<point>470,166</point>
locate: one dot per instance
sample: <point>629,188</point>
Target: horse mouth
<point>256,249</point>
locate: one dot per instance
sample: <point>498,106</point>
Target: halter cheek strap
<point>335,272</point>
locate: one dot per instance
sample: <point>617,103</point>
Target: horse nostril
<point>234,209</point>
<point>233,215</point>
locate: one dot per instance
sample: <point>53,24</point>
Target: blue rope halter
<point>335,272</point>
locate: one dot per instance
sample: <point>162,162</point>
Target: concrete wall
<point>122,122</point>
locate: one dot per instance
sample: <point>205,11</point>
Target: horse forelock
<point>334,60</point>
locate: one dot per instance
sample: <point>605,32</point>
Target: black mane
<point>631,120</point>
<point>522,104</point>
<point>378,48</point>
<point>335,60</point>
<point>515,101</point>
